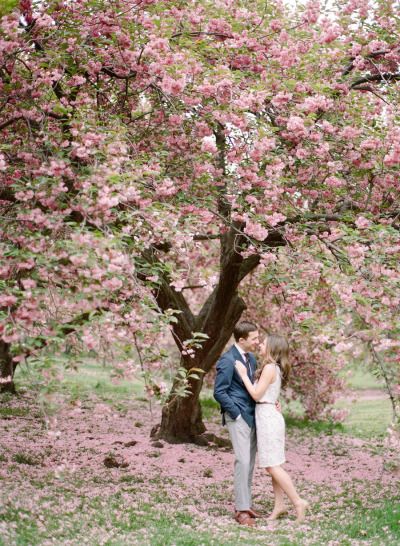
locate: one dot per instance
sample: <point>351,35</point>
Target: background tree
<point>143,138</point>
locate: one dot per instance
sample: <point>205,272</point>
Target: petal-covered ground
<point>96,477</point>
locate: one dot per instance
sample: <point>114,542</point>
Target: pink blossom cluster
<point>256,230</point>
<point>392,158</point>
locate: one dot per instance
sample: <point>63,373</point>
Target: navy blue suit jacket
<point>229,389</point>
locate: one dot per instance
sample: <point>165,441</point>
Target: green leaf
<point>199,370</point>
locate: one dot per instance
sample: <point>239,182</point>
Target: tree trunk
<point>181,419</point>
<point>6,369</point>
<point>181,416</point>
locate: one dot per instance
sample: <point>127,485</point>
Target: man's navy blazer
<point>230,391</point>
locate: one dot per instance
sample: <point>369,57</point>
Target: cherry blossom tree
<point>337,306</point>
<point>168,149</point>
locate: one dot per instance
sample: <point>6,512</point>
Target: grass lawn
<point>90,380</point>
<point>362,379</point>
<point>57,491</point>
<point>367,418</point>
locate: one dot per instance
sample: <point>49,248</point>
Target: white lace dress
<point>270,426</point>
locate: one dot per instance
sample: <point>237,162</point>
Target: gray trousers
<point>244,443</point>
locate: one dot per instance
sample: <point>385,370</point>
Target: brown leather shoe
<point>244,518</point>
<point>253,513</point>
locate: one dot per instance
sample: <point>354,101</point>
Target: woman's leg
<point>284,481</point>
<point>279,506</point>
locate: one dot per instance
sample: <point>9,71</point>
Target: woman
<point>270,425</point>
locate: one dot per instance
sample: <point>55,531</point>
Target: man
<point>238,409</point>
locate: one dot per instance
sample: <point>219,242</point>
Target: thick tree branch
<point>167,297</point>
<point>10,122</point>
<point>248,265</point>
<point>206,237</point>
<point>305,218</point>
<point>373,55</point>
<point>385,77</point>
<point>200,33</point>
<point>110,72</point>
<point>371,90</point>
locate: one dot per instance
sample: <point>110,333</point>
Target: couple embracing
<point>248,395</point>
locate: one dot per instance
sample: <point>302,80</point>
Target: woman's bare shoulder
<point>268,367</point>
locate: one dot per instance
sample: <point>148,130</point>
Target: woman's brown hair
<point>277,352</point>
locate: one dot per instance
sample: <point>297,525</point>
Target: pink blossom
<point>350,132</point>
<point>355,50</point>
<point>173,86</point>
<point>370,144</point>
<point>331,32</point>
<point>275,218</point>
<point>3,164</point>
<point>359,62</point>
<point>287,57</point>
<point>208,145</point>
<point>76,80</point>
<point>316,103</point>
<point>377,45</point>
<point>219,26</point>
<point>6,300</point>
<point>261,147</point>
<point>295,124</point>
<point>255,230</point>
<point>224,90</point>
<point>312,11</point>
<point>362,223</point>
<point>357,253</point>
<point>281,98</point>
<point>166,188</point>
<point>275,25</point>
<point>268,258</point>
<point>203,129</point>
<point>81,152</point>
<point>113,284</point>
<point>12,337</point>
<point>393,156</point>
<point>328,127</point>
<point>178,285</point>
<point>78,260</point>
<point>343,347</point>
<point>302,153</point>
<point>28,284</point>
<point>157,44</point>
<point>24,195</point>
<point>206,89</point>
<point>334,182</point>
<point>44,21</point>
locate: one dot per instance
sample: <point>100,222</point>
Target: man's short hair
<point>243,329</point>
